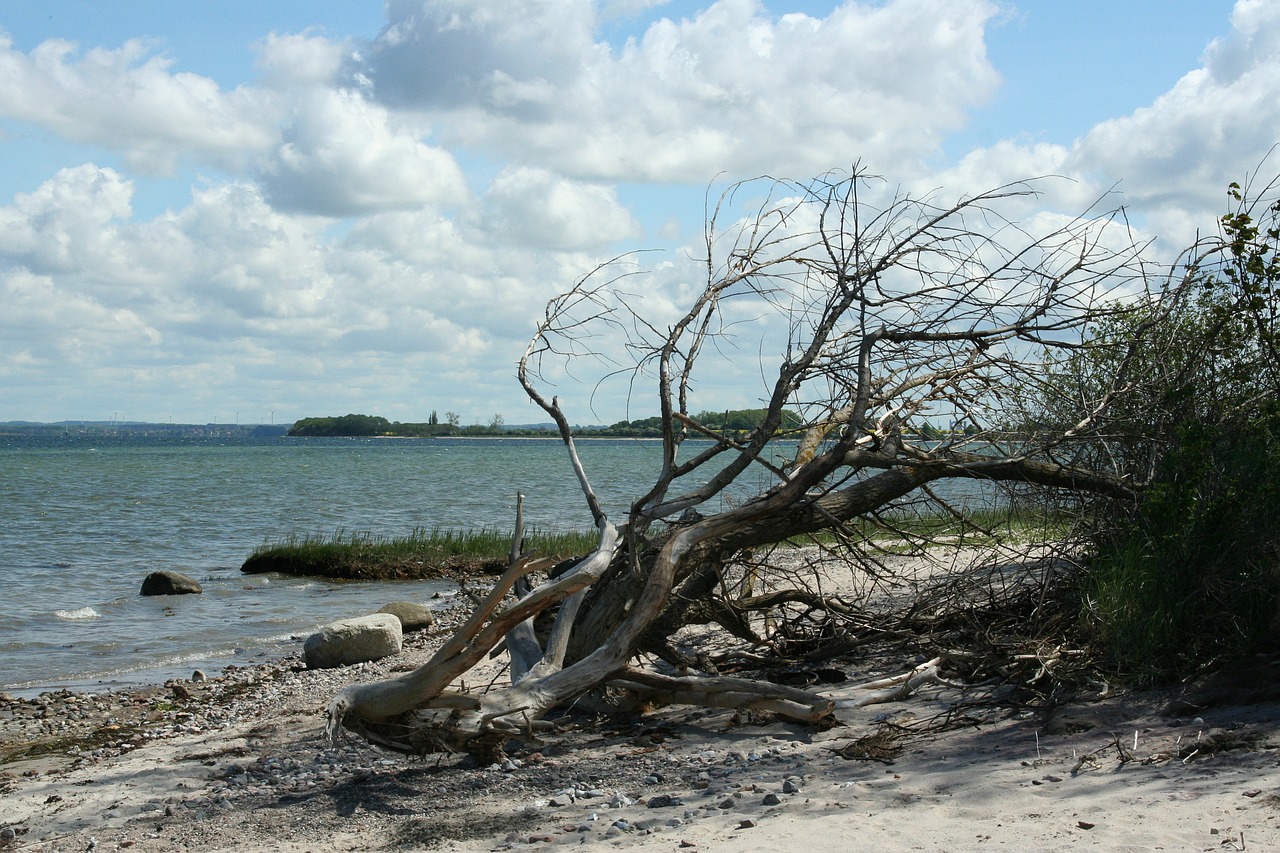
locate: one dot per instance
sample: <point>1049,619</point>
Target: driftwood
<point>898,317</point>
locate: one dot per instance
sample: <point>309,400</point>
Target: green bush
<point>1191,575</point>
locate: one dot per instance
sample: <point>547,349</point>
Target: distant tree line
<point>730,423</point>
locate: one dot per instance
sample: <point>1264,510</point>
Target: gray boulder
<point>170,583</point>
<point>349,641</point>
<point>412,616</point>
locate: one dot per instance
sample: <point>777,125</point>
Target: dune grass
<point>423,554</point>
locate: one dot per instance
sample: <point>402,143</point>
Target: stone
<point>663,801</point>
<point>350,641</point>
<point>170,583</point>
<point>412,616</point>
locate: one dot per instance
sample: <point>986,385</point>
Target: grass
<point>423,554</point>
<point>439,553</point>
<point>901,529</point>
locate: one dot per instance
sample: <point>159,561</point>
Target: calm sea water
<point>83,519</point>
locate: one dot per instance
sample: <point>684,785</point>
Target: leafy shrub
<point>1191,574</point>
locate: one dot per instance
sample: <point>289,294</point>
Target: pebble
<point>663,801</point>
<point>728,779</point>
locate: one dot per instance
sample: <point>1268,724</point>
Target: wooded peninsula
<point>352,425</point>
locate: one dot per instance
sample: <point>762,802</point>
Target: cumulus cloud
<point>536,208</point>
<point>300,59</point>
<point>66,222</point>
<point>343,156</point>
<point>228,267</point>
<point>1189,143</point>
<point>128,99</point>
<point>1168,162</point>
<point>731,89</point>
<point>337,248</point>
<point>508,54</point>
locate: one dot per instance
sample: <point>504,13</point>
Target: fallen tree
<point>898,317</point>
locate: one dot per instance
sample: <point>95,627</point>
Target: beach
<point>239,761</point>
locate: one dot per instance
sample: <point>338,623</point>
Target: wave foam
<point>81,613</point>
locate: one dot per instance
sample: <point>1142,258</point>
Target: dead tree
<point>898,316</point>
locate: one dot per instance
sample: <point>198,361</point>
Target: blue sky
<point>308,208</point>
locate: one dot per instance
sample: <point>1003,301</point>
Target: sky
<point>257,212</point>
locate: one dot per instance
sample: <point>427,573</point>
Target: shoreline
<point>239,762</point>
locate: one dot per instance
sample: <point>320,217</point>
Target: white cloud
<point>343,156</point>
<point>536,208</point>
<point>336,251</point>
<point>129,100</point>
<point>1168,162</point>
<point>731,89</point>
<point>299,59</point>
<point>66,222</point>
<point>446,53</point>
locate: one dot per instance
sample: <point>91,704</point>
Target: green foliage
<point>421,555</point>
<point>1192,572</point>
<point>744,420</point>
<point>353,425</point>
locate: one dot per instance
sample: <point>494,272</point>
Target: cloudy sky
<point>265,211</point>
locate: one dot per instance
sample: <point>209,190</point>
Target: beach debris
<point>170,583</point>
<point>881,745</point>
<point>351,641</point>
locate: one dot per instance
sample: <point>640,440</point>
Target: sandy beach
<point>239,762</point>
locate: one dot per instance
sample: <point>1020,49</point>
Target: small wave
<point>81,613</point>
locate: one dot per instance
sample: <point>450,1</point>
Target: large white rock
<point>412,616</point>
<point>357,640</point>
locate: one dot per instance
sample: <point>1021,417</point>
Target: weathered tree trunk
<point>892,316</point>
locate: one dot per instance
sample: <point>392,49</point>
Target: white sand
<point>1124,773</point>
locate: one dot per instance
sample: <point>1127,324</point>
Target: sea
<point>86,516</point>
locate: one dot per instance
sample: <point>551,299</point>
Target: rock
<point>357,640</point>
<point>663,801</point>
<point>170,583</point>
<point>772,800</point>
<point>412,616</point>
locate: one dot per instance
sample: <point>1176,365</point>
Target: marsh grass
<point>423,554</point>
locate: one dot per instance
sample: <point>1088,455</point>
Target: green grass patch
<point>902,529</point>
<point>422,555</point>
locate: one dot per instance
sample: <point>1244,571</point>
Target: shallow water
<point>83,519</point>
